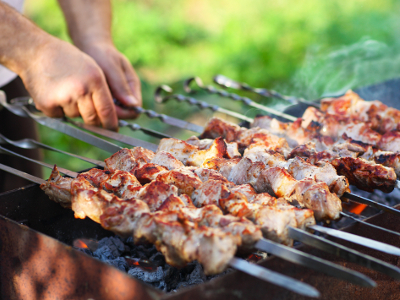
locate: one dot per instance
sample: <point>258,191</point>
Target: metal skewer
<point>247,101</point>
<point>369,224</point>
<point>32,144</point>
<point>291,254</point>
<point>82,135</point>
<point>230,83</point>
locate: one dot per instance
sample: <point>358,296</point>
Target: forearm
<point>20,40</point>
<point>88,21</point>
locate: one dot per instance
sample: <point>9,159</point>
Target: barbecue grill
<point>36,265</point>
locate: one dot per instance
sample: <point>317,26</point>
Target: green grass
<point>306,48</point>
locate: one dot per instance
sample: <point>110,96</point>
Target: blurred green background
<point>306,48</point>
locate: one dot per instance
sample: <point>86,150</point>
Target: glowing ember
<point>358,209</point>
<point>83,243</point>
<point>255,257</point>
<point>141,263</point>
<point>80,244</point>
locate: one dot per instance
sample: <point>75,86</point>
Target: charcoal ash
<point>145,263</point>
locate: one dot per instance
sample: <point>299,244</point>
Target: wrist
<point>89,41</point>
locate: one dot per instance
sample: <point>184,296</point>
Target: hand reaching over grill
<point>63,80</point>
<point>89,25</point>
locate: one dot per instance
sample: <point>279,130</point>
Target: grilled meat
<point>381,117</point>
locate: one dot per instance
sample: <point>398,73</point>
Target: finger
<point>50,111</point>
<point>126,113</point>
<point>71,110</point>
<point>88,111</point>
<point>119,86</point>
<point>105,107</point>
<point>133,81</point>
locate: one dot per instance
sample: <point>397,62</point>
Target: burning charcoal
<point>84,250</point>
<point>104,253</point>
<point>196,277</point>
<point>197,274</point>
<point>227,271</point>
<point>158,259</point>
<point>146,250</point>
<point>145,276</point>
<point>188,269</point>
<point>172,277</point>
<point>162,286</point>
<point>114,243</point>
<point>119,263</point>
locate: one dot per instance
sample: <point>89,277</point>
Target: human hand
<point>121,77</point>
<point>63,80</point>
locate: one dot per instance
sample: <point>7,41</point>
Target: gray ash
<point>145,263</point>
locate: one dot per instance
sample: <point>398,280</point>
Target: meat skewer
<point>339,115</point>
<point>384,177</point>
<point>371,262</point>
<point>168,160</point>
<point>353,197</point>
<point>349,106</point>
<point>152,226</point>
<point>342,164</point>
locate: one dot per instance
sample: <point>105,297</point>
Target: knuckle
<point>91,118</point>
<point>95,76</point>
<point>80,89</point>
<point>106,110</point>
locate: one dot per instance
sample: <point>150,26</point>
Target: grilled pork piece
<point>58,188</point>
<point>232,149</point>
<point>279,182</point>
<point>185,180</point>
<point>149,172</point>
<point>366,174</point>
<point>382,118</point>
<point>167,160</point>
<point>128,159</point>
<point>212,216</point>
<point>181,241</point>
<point>345,148</point>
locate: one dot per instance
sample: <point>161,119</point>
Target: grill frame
<point>32,255</point>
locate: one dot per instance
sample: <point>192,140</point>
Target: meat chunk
<point>390,141</point>
<point>167,160</point>
<point>366,175</point>
<point>120,183</point>
<point>300,169</point>
<point>221,165</point>
<point>179,149</point>
<point>128,159</point>
<point>149,172</point>
<point>155,193</point>
<point>183,179</point>
<point>209,193</point>
<point>58,188</point>
<point>217,150</point>
<point>217,127</point>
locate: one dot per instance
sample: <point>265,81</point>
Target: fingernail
<point>131,100</point>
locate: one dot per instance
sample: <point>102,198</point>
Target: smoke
<point>327,73</point>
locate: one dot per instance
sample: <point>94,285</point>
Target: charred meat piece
<point>129,159</point>
<point>58,188</point>
<point>365,174</point>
